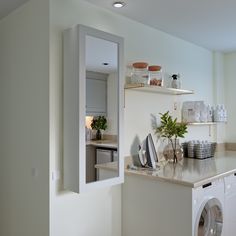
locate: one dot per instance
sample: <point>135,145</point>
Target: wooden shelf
<point>158,89</point>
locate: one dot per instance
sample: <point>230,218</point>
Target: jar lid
<point>140,65</point>
<point>154,68</point>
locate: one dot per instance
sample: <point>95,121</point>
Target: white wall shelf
<point>209,124</point>
<point>157,89</point>
<point>201,123</point>
<point>204,123</point>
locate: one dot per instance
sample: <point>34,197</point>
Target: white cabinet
<point>84,93</point>
<point>230,205</point>
<point>96,155</point>
<point>96,94</point>
<point>103,156</point>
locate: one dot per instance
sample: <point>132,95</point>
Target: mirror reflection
<point>101,109</point>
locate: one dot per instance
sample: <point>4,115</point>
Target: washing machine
<point>208,209</point>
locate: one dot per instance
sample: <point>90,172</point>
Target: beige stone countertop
<point>192,172</point>
<point>108,166</point>
<point>103,143</point>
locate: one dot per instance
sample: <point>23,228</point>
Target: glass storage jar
<point>139,73</point>
<point>155,75</point>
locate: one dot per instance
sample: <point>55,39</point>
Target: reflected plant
<point>99,123</point>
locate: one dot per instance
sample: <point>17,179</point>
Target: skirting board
<point>220,147</point>
<point>230,146</point>
<point>226,147</point>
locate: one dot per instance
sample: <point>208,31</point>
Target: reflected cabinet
<point>92,88</point>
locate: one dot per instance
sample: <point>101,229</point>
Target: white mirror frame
<point>74,110</point>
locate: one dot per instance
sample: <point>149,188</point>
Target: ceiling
<point>207,23</point>
<point>99,51</point>
<point>6,6</point>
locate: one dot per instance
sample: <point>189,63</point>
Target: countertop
<point>190,172</point>
<point>103,143</point>
<point>108,166</point>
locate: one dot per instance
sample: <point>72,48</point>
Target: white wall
<point>98,213</point>
<point>230,86</point>
<point>219,92</point>
<point>24,126</point>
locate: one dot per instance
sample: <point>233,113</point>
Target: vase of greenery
<point>171,130</point>
<point>99,123</point>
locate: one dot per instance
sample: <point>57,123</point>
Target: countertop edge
<point>110,145</point>
<point>213,178</point>
<point>173,181</point>
<point>181,182</point>
<point>147,173</point>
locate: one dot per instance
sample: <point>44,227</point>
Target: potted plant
<point>99,123</point>
<point>171,130</point>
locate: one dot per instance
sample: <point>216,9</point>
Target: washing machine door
<point>209,220</point>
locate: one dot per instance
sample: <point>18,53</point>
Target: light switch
<point>55,175</point>
<point>34,172</point>
<point>175,106</point>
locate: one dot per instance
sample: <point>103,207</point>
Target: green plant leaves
<point>169,127</point>
<point>99,122</point>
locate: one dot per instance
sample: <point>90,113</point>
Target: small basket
<point>199,150</point>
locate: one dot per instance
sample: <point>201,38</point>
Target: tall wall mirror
<point>93,109</point>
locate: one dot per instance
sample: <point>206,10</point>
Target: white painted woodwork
<point>74,151</point>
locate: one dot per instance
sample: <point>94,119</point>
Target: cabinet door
<point>96,94</point>
<point>103,156</point>
<point>115,156</point>
<point>230,207</point>
<point>90,164</point>
<point>84,49</point>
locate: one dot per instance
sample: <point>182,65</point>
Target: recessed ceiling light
<point>118,4</point>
